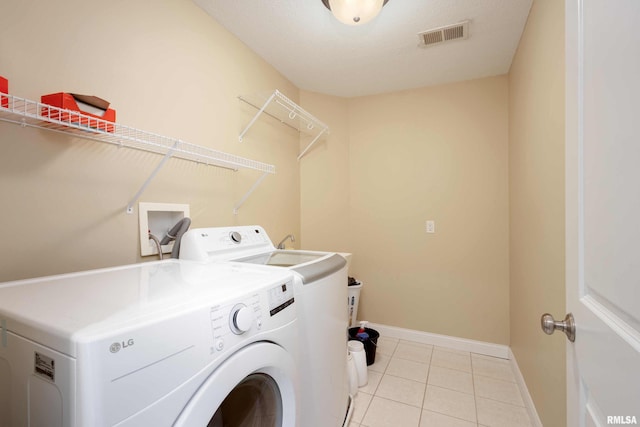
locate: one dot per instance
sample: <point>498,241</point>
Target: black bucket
<point>370,343</point>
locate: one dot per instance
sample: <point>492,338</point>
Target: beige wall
<point>536,178</point>
<point>324,178</point>
<point>166,68</point>
<point>437,153</point>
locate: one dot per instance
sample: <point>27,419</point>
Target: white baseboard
<point>524,391</point>
<point>479,347</point>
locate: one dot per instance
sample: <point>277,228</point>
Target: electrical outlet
<point>431,226</point>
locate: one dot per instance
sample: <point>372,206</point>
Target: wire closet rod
<point>27,113</point>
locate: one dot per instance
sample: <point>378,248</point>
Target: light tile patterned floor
<point>419,385</point>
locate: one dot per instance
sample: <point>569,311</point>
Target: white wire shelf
<point>34,114</point>
<point>289,113</point>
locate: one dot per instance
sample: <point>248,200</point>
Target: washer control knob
<point>241,319</point>
<point>235,237</point>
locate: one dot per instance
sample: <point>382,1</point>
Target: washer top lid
<point>61,311</point>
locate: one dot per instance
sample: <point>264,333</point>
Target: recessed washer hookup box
<point>4,88</point>
<point>84,109</point>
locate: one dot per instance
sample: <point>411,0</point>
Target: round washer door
<point>254,387</point>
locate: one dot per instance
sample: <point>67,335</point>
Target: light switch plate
<point>158,218</point>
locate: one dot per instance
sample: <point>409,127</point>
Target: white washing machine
<point>320,288</point>
<point>169,343</point>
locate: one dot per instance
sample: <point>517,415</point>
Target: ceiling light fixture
<point>354,12</point>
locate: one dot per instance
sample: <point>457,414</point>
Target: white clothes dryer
<point>169,343</point>
<point>320,288</point>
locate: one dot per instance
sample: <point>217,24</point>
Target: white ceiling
<point>303,41</point>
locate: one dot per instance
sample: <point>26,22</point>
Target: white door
<point>603,211</point>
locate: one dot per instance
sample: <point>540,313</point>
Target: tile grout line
<point>475,397</point>
<point>426,384</point>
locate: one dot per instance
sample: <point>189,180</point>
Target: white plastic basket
<point>352,303</point>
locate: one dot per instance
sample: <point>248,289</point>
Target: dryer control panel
<point>235,322</point>
<point>280,297</point>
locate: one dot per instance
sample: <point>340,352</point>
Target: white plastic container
<point>360,358</point>
<point>352,303</point>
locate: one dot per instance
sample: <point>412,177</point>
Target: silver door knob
<point>568,325</point>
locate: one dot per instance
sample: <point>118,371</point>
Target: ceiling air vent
<point>459,31</point>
